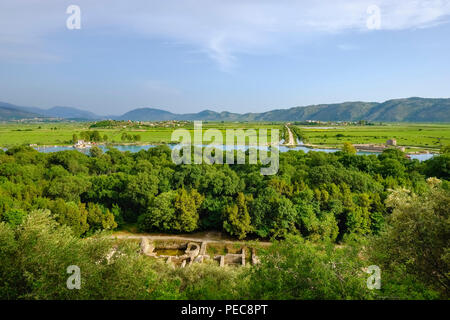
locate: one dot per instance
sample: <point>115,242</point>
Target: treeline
<point>108,124</point>
<point>284,134</point>
<point>130,137</point>
<point>92,136</point>
<point>315,195</point>
<point>299,134</point>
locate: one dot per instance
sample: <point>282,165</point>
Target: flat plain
<point>413,136</point>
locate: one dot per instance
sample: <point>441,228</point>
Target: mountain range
<point>55,112</point>
<point>397,110</point>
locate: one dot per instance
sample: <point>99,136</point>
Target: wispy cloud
<point>221,28</point>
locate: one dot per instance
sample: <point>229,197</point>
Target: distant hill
<point>70,113</point>
<point>405,110</point>
<point>55,112</point>
<point>152,114</point>
<point>62,112</point>
<point>396,110</point>
<point>411,110</point>
<point>147,114</point>
<point>8,114</point>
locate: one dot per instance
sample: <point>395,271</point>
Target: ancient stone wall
<point>194,252</point>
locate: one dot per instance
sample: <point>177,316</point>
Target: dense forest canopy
<point>315,194</point>
<point>316,199</point>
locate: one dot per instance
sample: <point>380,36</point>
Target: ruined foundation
<point>194,252</point>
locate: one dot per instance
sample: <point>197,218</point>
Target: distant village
<point>336,123</point>
<point>134,124</point>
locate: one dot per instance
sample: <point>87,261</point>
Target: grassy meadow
<point>58,133</point>
<point>414,136</point>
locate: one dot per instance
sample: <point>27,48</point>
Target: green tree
<point>95,152</point>
<point>296,269</point>
<point>187,205</point>
<point>125,136</point>
<point>34,258</point>
<point>392,167</point>
<point>160,215</point>
<point>99,218</point>
<point>316,225</point>
<point>68,188</point>
<point>14,216</point>
<point>273,215</point>
<point>70,214</point>
<point>84,135</point>
<point>438,166</point>
<point>237,221</point>
<point>173,211</point>
<point>348,148</point>
<point>141,190</point>
<point>95,136</point>
<point>416,239</point>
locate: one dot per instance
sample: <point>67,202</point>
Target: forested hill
<point>406,110</point>
<point>10,111</point>
<point>7,114</point>
<point>397,110</point>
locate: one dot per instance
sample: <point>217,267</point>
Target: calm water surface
<point>137,148</point>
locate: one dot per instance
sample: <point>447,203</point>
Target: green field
<point>413,136</point>
<point>12,134</point>
<point>61,133</point>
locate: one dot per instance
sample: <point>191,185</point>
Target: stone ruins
<point>194,253</point>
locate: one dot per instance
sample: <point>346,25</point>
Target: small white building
<point>82,144</point>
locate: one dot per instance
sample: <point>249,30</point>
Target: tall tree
<point>186,206</point>
<point>237,221</point>
<point>348,148</point>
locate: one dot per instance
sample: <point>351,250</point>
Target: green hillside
<point>8,114</point>
<point>397,110</point>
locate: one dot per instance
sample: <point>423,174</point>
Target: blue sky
<point>240,56</point>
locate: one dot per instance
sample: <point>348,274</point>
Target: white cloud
<point>221,28</point>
